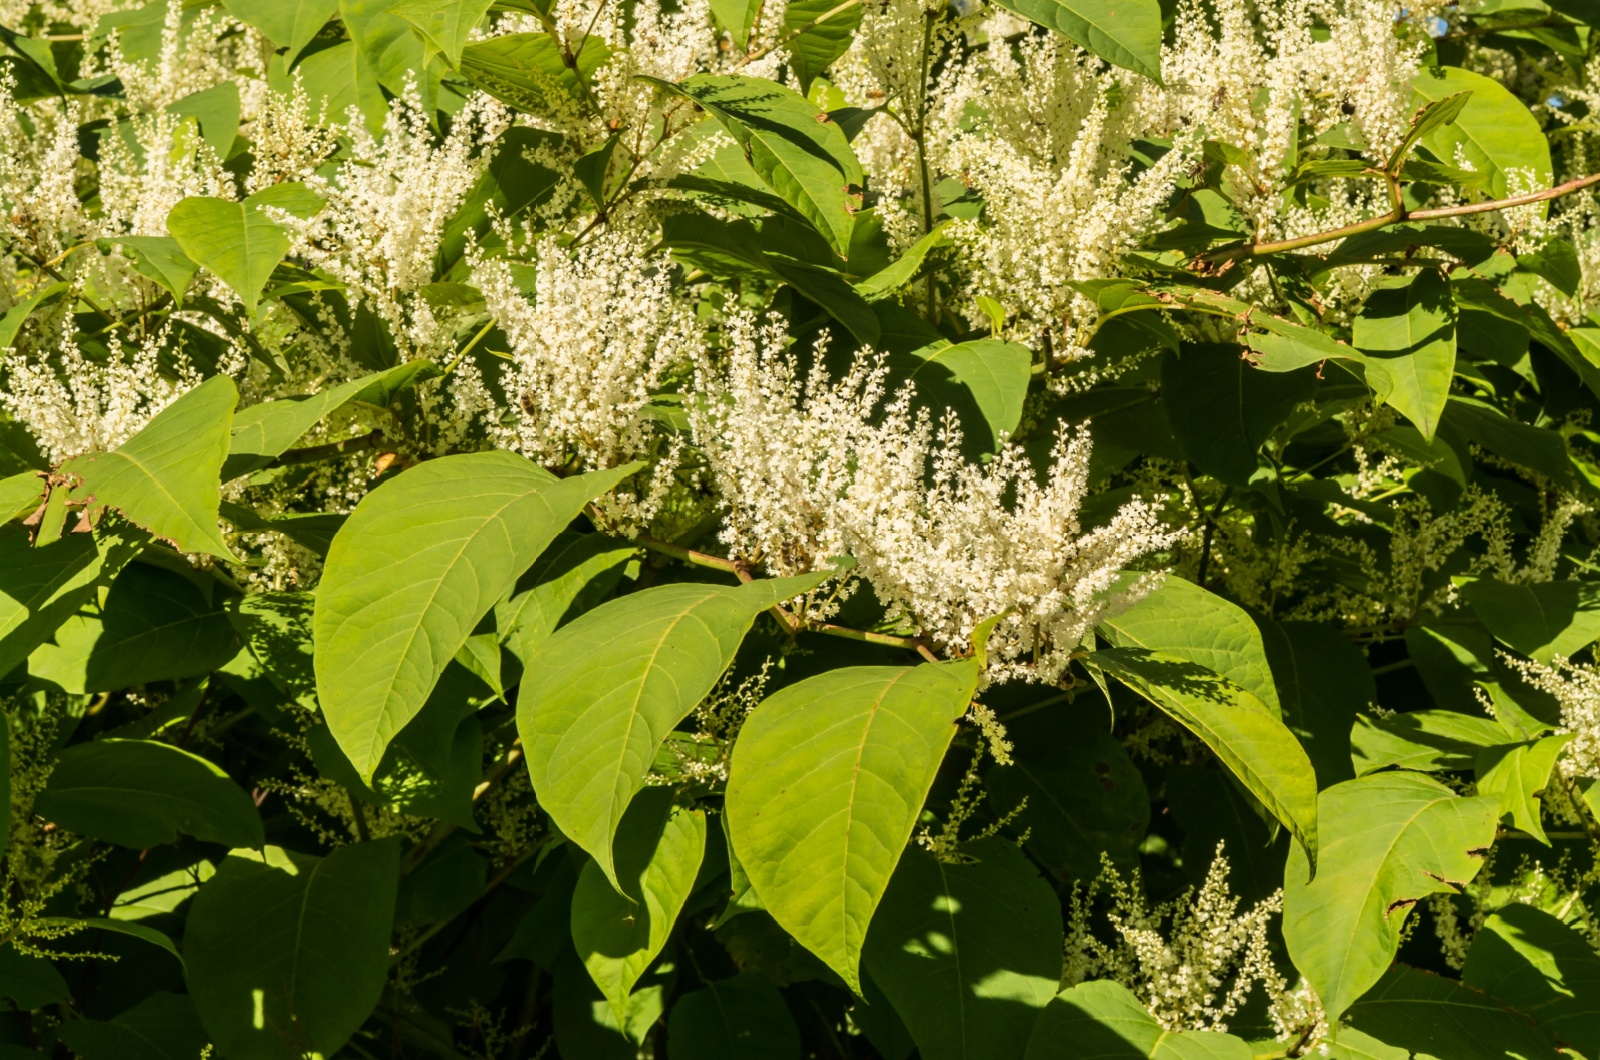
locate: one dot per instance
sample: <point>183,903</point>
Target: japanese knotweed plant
<point>983,529</point>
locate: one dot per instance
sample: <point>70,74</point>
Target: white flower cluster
<point>828,468</point>
<point>1193,961</point>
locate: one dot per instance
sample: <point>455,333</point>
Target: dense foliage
<point>730,528</point>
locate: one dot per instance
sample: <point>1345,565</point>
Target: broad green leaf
<point>527,71</point>
<point>287,953</point>
<point>20,494</point>
<point>965,951</point>
<point>1181,619</point>
<point>828,778</point>
<point>738,249</point>
<point>1429,740</point>
<point>658,850</point>
<point>899,272</point>
<point>1388,841</point>
<point>739,1018</point>
<point>1244,732</point>
<point>162,895</point>
<point>160,259</point>
<point>390,47</point>
<point>217,110</point>
<point>264,431</point>
<point>1518,774</point>
<point>276,630</point>
<point>574,574</point>
<point>1125,33</point>
<point>32,982</point>
<point>141,794</point>
<point>142,932</point>
<point>167,478</point>
<point>800,154</point>
<point>817,44</point>
<point>1323,680</point>
<point>984,382</point>
<point>17,315</point>
<point>1079,794</point>
<point>447,25</point>
<point>155,625</point>
<point>40,588</point>
<point>1543,619</point>
<point>288,24</point>
<point>1495,132</point>
<point>586,1025</point>
<point>163,1026</point>
<point>1536,448</point>
<point>1434,1016</point>
<point>1532,961</point>
<point>1411,332</point>
<point>238,241</point>
<point>421,560</point>
<point>1221,409</point>
<point>1557,262</point>
<point>605,690</point>
<point>1103,1020</point>
<point>339,78</point>
<point>736,16</point>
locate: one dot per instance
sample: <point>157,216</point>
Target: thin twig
<point>1395,216</point>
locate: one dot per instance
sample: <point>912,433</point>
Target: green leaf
<point>828,778</point>
<point>419,563</point>
<point>1529,959</point>
<point>217,110</point>
<point>1181,619</point>
<point>162,895</point>
<point>1102,1020</point>
<point>276,630</point>
<point>528,72</point>
<point>967,953</point>
<point>339,78</point>
<point>1125,33</point>
<point>445,24</point>
<point>17,315</point>
<point>141,794</point>
<point>813,46</point>
<point>20,494</point>
<point>288,24</point>
<point>1221,409</point>
<point>574,574</point>
<point>1495,131</point>
<point>1434,1016</point>
<point>741,1018</point>
<point>1557,262</point>
<point>1410,332</point>
<point>390,48</point>
<point>32,982</point>
<point>155,625</point>
<point>1244,732</point>
<point>288,953</point>
<point>898,273</point>
<point>264,431</point>
<point>1430,116</point>
<point>800,154</point>
<point>40,588</point>
<point>984,382</point>
<point>1429,740</point>
<point>1518,774</point>
<point>163,1026</point>
<point>237,241</point>
<point>737,248</point>
<point>1323,680</point>
<point>1542,620</point>
<point>1388,841</point>
<point>160,259</point>
<point>167,478</point>
<point>605,690</point>
<point>658,847</point>
<point>1084,797</point>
